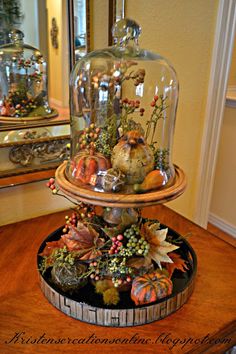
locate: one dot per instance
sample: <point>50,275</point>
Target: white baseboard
<point>231,96</point>
<point>222,224</point>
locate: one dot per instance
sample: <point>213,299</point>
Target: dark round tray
<point>87,306</point>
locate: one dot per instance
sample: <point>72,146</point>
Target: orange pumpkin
<point>150,287</point>
<point>87,165</point>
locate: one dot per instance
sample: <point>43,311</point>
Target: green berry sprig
<point>63,257</point>
<point>121,273</point>
<point>103,144</point>
<point>89,137</point>
<point>136,245</point>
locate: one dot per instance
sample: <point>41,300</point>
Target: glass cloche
<point>123,102</point>
<point>23,79</point>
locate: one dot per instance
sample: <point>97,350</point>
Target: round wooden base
<point>115,317</point>
<point>120,200</point>
<point>87,306</point>
<point>29,119</point>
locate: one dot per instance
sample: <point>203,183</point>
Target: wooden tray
<point>118,199</point>
<point>87,306</point>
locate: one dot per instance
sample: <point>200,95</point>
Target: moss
<point>101,286</point>
<point>111,296</point>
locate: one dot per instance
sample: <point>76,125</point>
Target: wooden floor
<point>221,234</point>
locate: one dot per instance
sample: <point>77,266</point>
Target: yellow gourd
<point>153,180</point>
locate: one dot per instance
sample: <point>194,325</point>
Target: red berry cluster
<point>128,279</point>
<point>121,281</point>
<point>95,268</point>
<point>116,244</point>
<point>153,103</point>
<point>24,63</point>
<point>51,184</point>
<point>131,105</point>
<point>89,137</point>
<point>82,212</point>
<point>70,221</point>
<point>85,211</point>
<point>142,110</point>
<point>20,103</point>
<point>36,76</point>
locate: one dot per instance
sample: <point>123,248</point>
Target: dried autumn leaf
<point>84,239</point>
<point>178,263</point>
<point>80,237</point>
<point>91,254</point>
<point>51,246</point>
<point>140,265</point>
<point>138,262</point>
<point>159,248</point>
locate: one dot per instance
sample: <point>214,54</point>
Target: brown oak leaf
<point>178,263</point>
<point>91,254</point>
<point>80,237</point>
<point>51,246</point>
<point>85,240</point>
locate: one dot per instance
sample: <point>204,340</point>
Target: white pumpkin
<point>133,157</point>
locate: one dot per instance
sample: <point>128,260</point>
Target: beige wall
<point>183,32</point>
<point>28,201</point>
<point>99,24</point>
<point>58,59</point>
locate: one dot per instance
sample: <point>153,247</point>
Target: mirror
<point>61,30</point>
<point>28,144</point>
<point>44,24</point>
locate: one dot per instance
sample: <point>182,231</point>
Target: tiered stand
<point>87,307</point>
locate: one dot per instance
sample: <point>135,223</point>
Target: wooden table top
<point>29,324</point>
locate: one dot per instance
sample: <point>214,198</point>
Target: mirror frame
<point>70,7</point>
<point>111,19</point>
